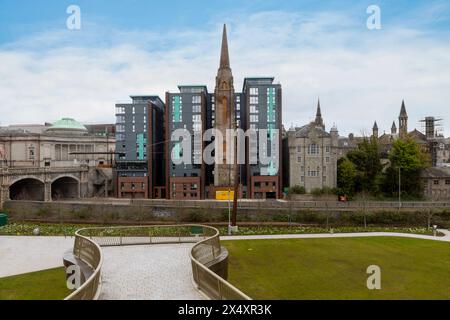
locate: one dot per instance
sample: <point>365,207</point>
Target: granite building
<point>313,155</point>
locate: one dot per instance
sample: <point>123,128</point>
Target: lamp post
<point>399,188</point>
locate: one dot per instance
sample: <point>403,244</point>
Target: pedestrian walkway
<point>150,272</point>
<point>341,235</point>
<point>20,255</point>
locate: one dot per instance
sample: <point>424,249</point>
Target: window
<point>299,149</point>
<point>31,153</point>
<point>196,109</point>
<point>254,91</point>
<point>447,182</point>
<point>238,99</point>
<point>120,119</point>
<point>120,128</point>
<point>254,118</point>
<point>299,159</point>
<point>313,149</point>
<point>196,99</point>
<point>327,159</point>
<point>327,149</point>
<point>134,110</point>
<point>254,109</point>
<point>196,118</point>
<point>238,107</point>
<point>177,109</point>
<point>120,110</point>
<point>254,100</point>
<point>436,182</point>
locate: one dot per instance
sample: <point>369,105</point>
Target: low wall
<point>147,212</point>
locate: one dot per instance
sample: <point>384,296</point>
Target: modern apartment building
<point>187,110</point>
<point>140,164</point>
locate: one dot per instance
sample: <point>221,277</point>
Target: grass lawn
<point>310,269</point>
<point>41,285</point>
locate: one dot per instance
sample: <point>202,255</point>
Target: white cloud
<point>360,75</point>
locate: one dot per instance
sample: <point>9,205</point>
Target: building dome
<point>67,125</point>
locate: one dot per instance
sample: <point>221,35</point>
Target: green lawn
<point>312,269</point>
<point>41,285</point>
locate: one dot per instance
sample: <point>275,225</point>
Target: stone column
<point>48,191</point>
<point>4,195</point>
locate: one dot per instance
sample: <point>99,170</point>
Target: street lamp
<point>399,188</point>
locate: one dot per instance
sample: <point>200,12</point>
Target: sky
<point>315,49</point>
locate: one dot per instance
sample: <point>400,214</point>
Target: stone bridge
<point>43,184</point>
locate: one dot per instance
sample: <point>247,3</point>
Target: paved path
<point>341,235</point>
<point>154,272</point>
<point>20,255</point>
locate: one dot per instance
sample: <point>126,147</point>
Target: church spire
<point>403,121</point>
<point>319,119</point>
<point>224,56</point>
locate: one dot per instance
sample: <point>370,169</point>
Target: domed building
<point>53,161</point>
<point>67,126</point>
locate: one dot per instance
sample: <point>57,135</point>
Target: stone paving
<point>148,272</point>
<point>20,255</point>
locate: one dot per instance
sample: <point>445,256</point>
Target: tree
<point>346,176</point>
<point>405,156</point>
<point>366,159</point>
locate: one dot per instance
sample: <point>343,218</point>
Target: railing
<point>206,251</point>
<point>89,252</point>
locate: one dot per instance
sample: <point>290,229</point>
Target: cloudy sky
<point>314,49</point>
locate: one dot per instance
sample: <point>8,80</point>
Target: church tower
<point>225,115</point>
<point>375,130</point>
<point>403,121</point>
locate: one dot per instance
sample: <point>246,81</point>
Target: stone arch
<point>28,188</point>
<point>65,187</point>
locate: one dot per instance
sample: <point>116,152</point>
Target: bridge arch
<point>28,188</point>
<point>65,187</point>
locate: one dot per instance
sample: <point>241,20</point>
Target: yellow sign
<point>224,195</point>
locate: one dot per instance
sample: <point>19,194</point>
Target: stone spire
<point>403,121</point>
<point>225,114</point>
<point>224,55</point>
<point>319,119</point>
<point>394,128</point>
<point>403,110</point>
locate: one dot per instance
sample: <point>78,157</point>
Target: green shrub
<point>297,190</point>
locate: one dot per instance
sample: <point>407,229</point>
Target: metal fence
<point>89,252</point>
<point>206,250</point>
